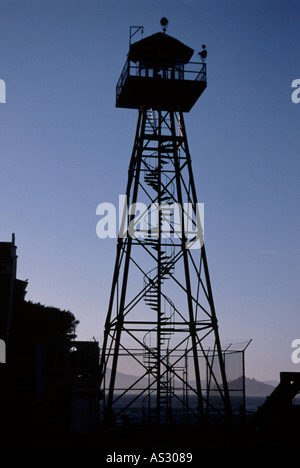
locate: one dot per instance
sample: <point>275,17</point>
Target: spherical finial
<point>164,23</point>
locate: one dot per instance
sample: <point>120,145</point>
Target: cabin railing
<point>196,71</point>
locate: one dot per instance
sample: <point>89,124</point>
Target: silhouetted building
<point>280,412</point>
<point>12,290</point>
<point>49,381</point>
<point>68,383</point>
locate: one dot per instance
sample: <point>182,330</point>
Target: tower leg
<point>187,274</point>
<point>227,402</point>
<point>124,245</point>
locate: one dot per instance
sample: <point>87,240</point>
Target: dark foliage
<point>34,321</point>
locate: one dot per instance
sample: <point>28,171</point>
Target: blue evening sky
<point>65,148</point>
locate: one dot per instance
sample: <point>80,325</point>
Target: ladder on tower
<point>157,356</point>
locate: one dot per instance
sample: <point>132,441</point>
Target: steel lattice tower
<point>161,326</point>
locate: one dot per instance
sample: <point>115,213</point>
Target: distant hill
<point>253,387</point>
<point>124,381</point>
<point>272,382</point>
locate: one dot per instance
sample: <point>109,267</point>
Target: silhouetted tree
<point>33,322</point>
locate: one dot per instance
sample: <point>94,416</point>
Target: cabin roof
<point>160,46</point>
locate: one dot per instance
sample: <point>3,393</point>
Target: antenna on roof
<point>133,30</point>
<point>164,24</point>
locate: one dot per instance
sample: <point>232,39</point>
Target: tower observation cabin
<point>158,74</point>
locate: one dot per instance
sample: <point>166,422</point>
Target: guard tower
<point>161,329</point>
